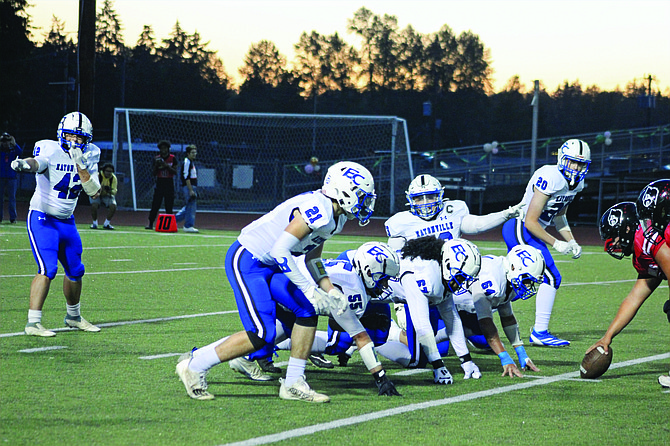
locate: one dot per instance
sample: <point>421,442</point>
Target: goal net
<point>250,162</point>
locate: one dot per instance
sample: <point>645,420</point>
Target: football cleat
<point>108,226</point>
<point>343,359</point>
<point>664,380</point>
<point>94,225</point>
<point>37,329</point>
<point>80,323</point>
<point>321,362</point>
<point>191,230</point>
<point>546,339</point>
<point>268,366</point>
<point>301,391</point>
<point>195,383</point>
<point>188,355</point>
<point>249,369</point>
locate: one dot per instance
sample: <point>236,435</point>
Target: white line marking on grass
<point>98,273</point>
<point>42,349</point>
<point>567,379</point>
<point>164,355</point>
<point>308,430</point>
<point>411,372</point>
<point>225,245</point>
<point>121,323</point>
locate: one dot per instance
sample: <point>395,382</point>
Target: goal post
<point>250,162</point>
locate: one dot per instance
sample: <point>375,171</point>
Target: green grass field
<point>158,295</point>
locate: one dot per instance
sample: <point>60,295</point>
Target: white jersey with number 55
<point>551,182</point>
<point>58,183</point>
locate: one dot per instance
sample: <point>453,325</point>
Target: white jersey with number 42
<point>58,183</point>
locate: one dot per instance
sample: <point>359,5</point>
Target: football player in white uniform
<point>62,170</point>
<point>502,280</point>
<point>364,277</point>
<point>431,271</point>
<point>268,246</point>
<point>548,193</point>
<point>430,214</point>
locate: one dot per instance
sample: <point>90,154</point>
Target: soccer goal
<point>250,162</point>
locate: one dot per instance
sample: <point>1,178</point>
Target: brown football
<point>595,363</point>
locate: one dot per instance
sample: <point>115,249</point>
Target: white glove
<point>471,370</point>
<point>319,300</point>
<point>576,249</point>
<point>79,157</point>
<point>20,165</point>
<point>338,301</point>
<point>442,376</point>
<point>562,247</point>
<point>515,211</point>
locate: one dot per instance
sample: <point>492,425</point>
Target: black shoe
<point>321,362</point>
<point>268,366</point>
<point>149,227</point>
<point>343,359</point>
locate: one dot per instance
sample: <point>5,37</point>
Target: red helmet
<point>617,229</point>
<point>653,205</point>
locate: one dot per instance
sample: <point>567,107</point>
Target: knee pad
<point>256,340</point>
<point>310,321</point>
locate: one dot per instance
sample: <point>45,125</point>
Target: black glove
<point>385,386</point>
<point>666,309</point>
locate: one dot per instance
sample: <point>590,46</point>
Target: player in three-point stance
<point>432,270</point>
<point>267,246</point>
<point>647,241</point>
<point>63,169</point>
<point>362,279</point>
<point>501,281</point>
<point>548,193</point>
<point>430,214</point>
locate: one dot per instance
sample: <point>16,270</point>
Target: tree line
<point>392,72</point>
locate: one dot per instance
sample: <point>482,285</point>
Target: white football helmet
<point>425,194</point>
<point>353,188</point>
<point>574,150</point>
<point>75,123</point>
<point>524,268</point>
<point>376,262</point>
<point>461,262</point>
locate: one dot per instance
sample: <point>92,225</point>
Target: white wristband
<point>92,186</point>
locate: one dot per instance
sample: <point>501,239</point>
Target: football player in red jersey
<point>647,240</point>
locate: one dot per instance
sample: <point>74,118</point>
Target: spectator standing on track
<point>189,183</point>
<point>109,185</point>
<point>9,151</point>
<point>164,169</point>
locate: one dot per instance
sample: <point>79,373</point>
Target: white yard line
<point>343,422</point>
<point>42,349</point>
<point>121,323</point>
